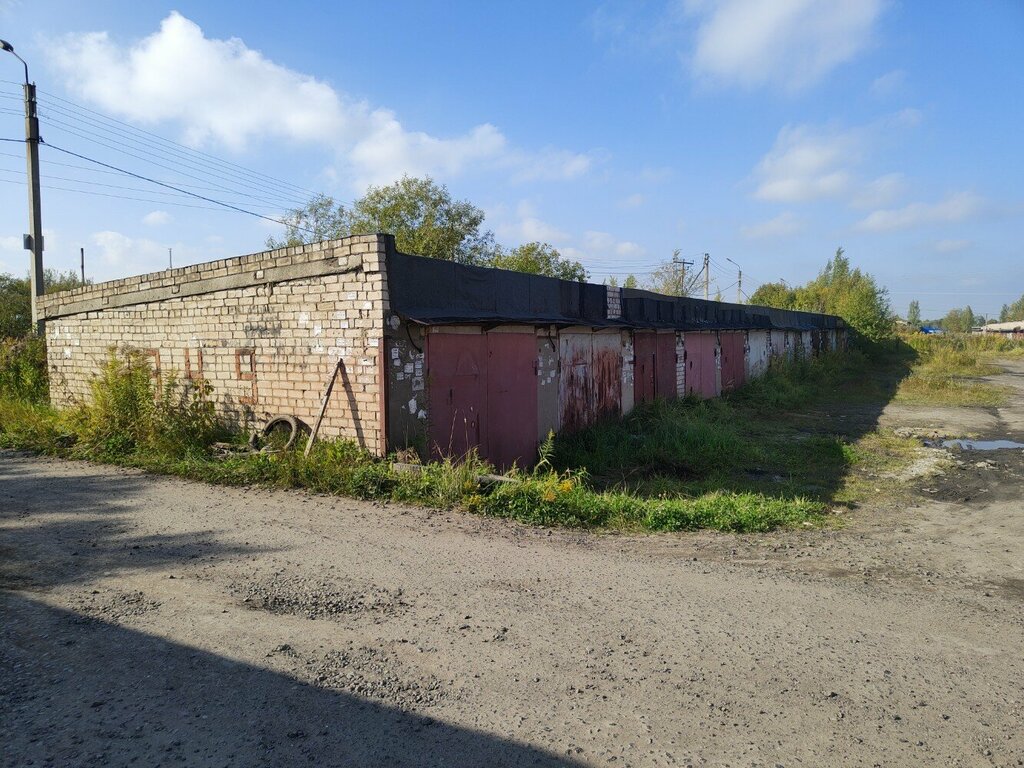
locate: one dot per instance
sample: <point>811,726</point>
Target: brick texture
<point>265,330</point>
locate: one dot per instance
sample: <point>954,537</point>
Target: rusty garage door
<point>590,381</point>
<point>511,434</point>
<point>700,364</point>
<point>645,367</point>
<point>483,395</point>
<point>733,359</point>
<point>607,369</point>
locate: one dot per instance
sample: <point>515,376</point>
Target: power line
<point>52,188</point>
<point>173,156</point>
<point>112,186</point>
<point>178,189</point>
<point>92,170</point>
<point>183,148</point>
<point>123,149</point>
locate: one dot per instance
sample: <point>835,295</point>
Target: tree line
<point>962,319</point>
<point>839,289</point>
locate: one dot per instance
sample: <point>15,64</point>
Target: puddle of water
<point>981,445</point>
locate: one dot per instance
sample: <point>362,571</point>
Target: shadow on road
<point>94,693</point>
<point>68,529</point>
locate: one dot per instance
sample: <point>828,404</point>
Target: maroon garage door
<point>483,394</point>
<point>733,359</point>
<point>700,364</point>
<point>654,372</point>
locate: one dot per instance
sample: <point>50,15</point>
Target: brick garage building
<point>434,355</point>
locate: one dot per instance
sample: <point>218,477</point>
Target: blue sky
<point>768,132</point>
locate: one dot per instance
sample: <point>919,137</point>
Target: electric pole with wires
<point>739,281</point>
<point>707,275</point>
<point>681,265</point>
<point>34,239</point>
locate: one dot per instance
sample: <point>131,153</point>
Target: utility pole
<point>707,275</point>
<point>170,259</point>
<point>683,263</point>
<point>34,239</point>
<point>82,250</point>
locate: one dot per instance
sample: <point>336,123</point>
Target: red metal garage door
<point>645,370</point>
<point>700,364</point>
<point>483,394</point>
<point>733,360</point>
<point>511,434</point>
<point>457,392</point>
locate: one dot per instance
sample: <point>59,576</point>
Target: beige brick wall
<point>265,330</point>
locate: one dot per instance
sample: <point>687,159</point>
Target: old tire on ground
<point>290,422</point>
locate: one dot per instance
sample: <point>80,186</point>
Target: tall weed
<point>23,369</point>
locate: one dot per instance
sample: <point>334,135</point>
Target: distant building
<point>1013,329</point>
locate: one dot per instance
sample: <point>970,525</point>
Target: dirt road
<point>152,621</point>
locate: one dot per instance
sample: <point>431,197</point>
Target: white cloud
<point>655,174</point>
<point>807,164</point>
<point>784,224</point>
<point>526,226</point>
<point>632,201</point>
<point>788,43</point>
<point>952,246</point>
<point>889,84</point>
<point>121,255</point>
<point>603,244</point>
<point>156,218</point>
<point>881,191</point>
<point>595,249</point>
<point>954,208</point>
<point>223,92</point>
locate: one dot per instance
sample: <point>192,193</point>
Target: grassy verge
<point>803,435</point>
<point>772,454</point>
<point>949,371</point>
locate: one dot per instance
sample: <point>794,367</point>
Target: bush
<point>23,370</point>
<point>129,412</point>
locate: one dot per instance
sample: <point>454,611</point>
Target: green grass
<point>776,441</point>
<point>949,369</point>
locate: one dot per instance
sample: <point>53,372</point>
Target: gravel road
<point>152,621</point>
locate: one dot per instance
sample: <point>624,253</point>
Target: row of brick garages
<point>528,359</point>
<point>436,356</point>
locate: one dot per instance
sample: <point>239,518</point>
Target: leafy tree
<point>420,213</point>
<point>425,221</point>
<point>838,290</point>
<point>16,299</point>
<point>538,259</point>
<point>1012,312</point>
<point>851,294</point>
<point>777,295</point>
<point>961,320</point>
<point>630,282</point>
<point>319,219</point>
<point>914,314</point>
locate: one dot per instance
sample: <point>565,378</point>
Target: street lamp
<point>739,281</point>
<point>34,239</point>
